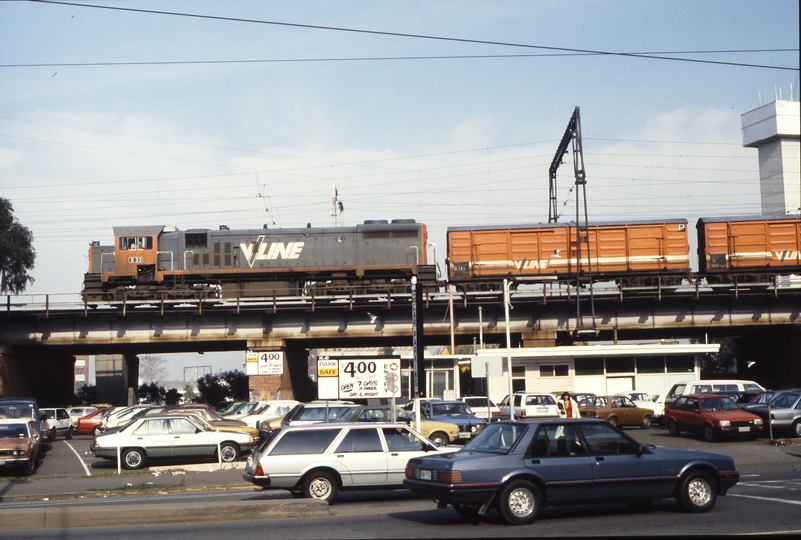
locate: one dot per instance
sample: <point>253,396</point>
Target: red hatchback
<point>88,424</point>
<point>711,416</point>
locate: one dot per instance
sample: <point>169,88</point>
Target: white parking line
<point>85,468</point>
<point>773,499</point>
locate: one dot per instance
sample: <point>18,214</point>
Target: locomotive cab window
<point>136,242</point>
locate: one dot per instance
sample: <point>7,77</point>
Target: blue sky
<point>118,117</point>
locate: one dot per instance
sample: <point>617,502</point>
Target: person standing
<point>568,408</point>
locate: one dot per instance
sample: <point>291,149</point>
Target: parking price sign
<point>358,378</point>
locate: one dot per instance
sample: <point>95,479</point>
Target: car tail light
<point>410,472</point>
<point>259,470</point>
<point>522,412</point>
<point>448,477</point>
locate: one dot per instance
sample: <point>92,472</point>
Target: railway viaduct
<point>38,342</point>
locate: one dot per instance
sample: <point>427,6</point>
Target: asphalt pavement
<point>103,481</point>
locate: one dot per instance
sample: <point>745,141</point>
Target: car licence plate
<point>542,409</point>
<point>425,474</point>
<point>462,435</point>
<point>745,428</point>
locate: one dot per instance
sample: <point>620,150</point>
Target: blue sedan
<point>519,467</point>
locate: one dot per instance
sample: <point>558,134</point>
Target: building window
<point>518,378</point>
<point>554,370</point>
<point>620,364</point>
<point>589,366</point>
<point>650,364</point>
<point>680,364</point>
<point>80,363</point>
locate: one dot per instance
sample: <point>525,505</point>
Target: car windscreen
<point>496,438</point>
<point>13,431</point>
<point>450,409</point>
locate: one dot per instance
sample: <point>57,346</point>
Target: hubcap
<point>228,453</point>
<point>133,459</point>
<point>320,488</point>
<point>521,502</point>
<point>699,492</point>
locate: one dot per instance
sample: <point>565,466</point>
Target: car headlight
<point>725,423</point>
<point>757,421</point>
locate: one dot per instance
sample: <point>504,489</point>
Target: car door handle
<point>394,454</point>
<point>536,461</point>
<point>599,459</point>
<point>340,455</point>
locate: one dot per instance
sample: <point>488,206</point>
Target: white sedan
<point>644,401</point>
<point>169,437</point>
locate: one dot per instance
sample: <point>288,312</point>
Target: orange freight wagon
<point>549,251</point>
<point>757,244</point>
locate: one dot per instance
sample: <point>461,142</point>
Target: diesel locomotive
<point>155,262</point>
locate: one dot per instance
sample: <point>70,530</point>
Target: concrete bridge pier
<point>117,378</point>
<point>274,387</point>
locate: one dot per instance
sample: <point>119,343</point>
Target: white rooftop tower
<point>775,130</point>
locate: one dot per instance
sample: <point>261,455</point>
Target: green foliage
<point>86,395</point>
<point>16,251</point>
<point>720,364</point>
<point>151,393</point>
<point>221,386</point>
<point>172,397</point>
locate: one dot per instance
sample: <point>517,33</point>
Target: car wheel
<point>439,438</point>
<point>94,432</point>
<point>133,458</point>
<point>796,428</point>
<point>30,467</point>
<point>646,422</point>
<point>69,434</point>
<point>673,429</point>
<point>320,485</point>
<point>519,502</point>
<point>697,492</point>
<point>612,420</point>
<point>709,434</point>
<point>229,452</point>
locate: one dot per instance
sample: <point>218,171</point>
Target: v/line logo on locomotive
<point>259,251</point>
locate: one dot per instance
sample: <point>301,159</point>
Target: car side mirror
<point>640,450</point>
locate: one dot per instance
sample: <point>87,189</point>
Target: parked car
<point>483,407</point>
<point>171,436</point>
<point>60,423</point>
<point>315,412</point>
<point>711,416</point>
<point>253,432</point>
<point>617,410</point>
<point>88,425</point>
<point>79,412</point>
<point>530,406</point>
<point>120,416</point>
<point>20,445</point>
<point>451,411</point>
<point>317,461</point>
<point>755,400</point>
<point>268,410</point>
<point>644,401</point>
<point>210,415</point>
<point>28,409</point>
<point>519,467</point>
<point>783,412</point>
<point>440,433</point>
<point>240,410</point>
<point>708,386</point>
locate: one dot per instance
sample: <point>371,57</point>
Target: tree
<point>223,385</point>
<point>172,397</point>
<point>152,369</point>
<point>722,363</point>
<point>151,393</point>
<point>86,395</point>
<point>16,251</point>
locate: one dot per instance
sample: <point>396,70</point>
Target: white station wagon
<point>317,461</point>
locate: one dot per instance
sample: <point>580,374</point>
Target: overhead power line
<point>413,36</point>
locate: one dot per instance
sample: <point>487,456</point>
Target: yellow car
<point>440,433</point>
